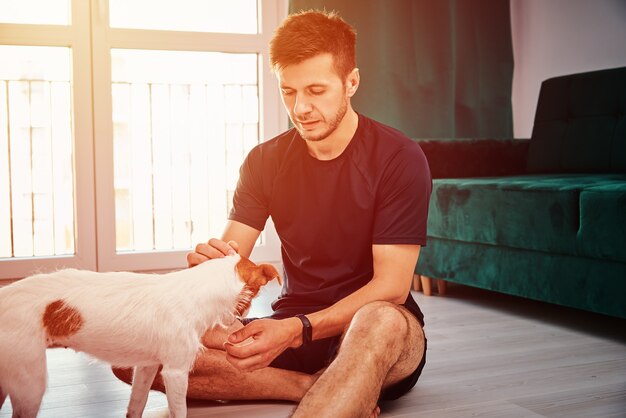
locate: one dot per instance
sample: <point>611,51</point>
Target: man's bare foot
<point>126,376</point>
<point>375,412</point>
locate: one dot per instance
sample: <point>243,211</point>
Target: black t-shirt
<point>329,213</point>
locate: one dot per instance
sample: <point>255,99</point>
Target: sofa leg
<point>417,284</point>
<point>441,287</point>
<point>427,285</point>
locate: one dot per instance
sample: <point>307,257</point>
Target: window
<point>36,182</point>
<point>123,124</point>
<point>49,12</point>
<point>232,16</point>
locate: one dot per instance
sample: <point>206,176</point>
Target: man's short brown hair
<point>309,33</point>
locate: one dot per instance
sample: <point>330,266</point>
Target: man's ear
<point>352,82</point>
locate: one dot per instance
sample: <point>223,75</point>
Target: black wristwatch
<point>307,329</point>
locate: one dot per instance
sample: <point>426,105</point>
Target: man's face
<point>315,96</point>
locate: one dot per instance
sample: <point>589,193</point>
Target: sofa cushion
<point>580,124</point>
<point>535,212</point>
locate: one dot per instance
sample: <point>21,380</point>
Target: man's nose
<point>302,106</point>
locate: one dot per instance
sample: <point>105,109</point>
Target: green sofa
<point>543,218</point>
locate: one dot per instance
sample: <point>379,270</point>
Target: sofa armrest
<point>456,158</point>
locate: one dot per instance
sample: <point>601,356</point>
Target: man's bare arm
<point>394,266</point>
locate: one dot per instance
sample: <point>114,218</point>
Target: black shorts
<point>320,353</point>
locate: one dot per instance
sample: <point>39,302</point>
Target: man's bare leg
<point>383,344</point>
<point>214,378</point>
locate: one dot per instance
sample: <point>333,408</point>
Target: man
<point>349,198</point>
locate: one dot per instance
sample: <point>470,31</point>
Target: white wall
<point>556,37</point>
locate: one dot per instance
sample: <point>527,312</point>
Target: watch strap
<point>307,329</point>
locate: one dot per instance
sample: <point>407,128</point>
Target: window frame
<point>91,39</point>
<point>77,37</point>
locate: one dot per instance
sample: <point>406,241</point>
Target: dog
<point>125,319</point>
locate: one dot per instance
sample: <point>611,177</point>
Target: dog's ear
<point>262,274</point>
<point>256,276</point>
<point>270,273</point>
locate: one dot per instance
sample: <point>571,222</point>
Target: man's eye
<point>287,92</point>
<point>317,92</point>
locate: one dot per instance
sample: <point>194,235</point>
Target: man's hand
<point>215,248</point>
<point>268,339</point>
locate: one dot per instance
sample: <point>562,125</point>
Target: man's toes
<point>375,412</point>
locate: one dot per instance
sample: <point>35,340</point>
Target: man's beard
<point>333,123</point>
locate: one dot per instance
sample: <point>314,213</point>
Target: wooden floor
<point>489,355</point>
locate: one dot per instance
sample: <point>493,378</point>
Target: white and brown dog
<point>126,319</point>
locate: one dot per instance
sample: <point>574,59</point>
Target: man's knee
<point>397,333</point>
<point>381,318</point>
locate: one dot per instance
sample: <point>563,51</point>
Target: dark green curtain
<point>432,68</point>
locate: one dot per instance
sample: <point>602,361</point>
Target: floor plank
<point>489,354</point>
<point>603,401</point>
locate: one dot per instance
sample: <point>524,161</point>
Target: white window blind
<point>36,181</point>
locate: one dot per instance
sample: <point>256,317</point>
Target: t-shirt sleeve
<point>250,205</point>
<point>402,199</point>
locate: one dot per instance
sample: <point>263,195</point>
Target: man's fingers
<point>234,245</point>
<point>208,250</point>
<point>243,342</point>
<point>223,247</point>
<point>243,334</point>
<point>215,248</point>
<point>241,351</point>
<point>193,259</point>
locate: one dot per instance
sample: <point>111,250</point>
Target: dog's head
<point>253,277</point>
